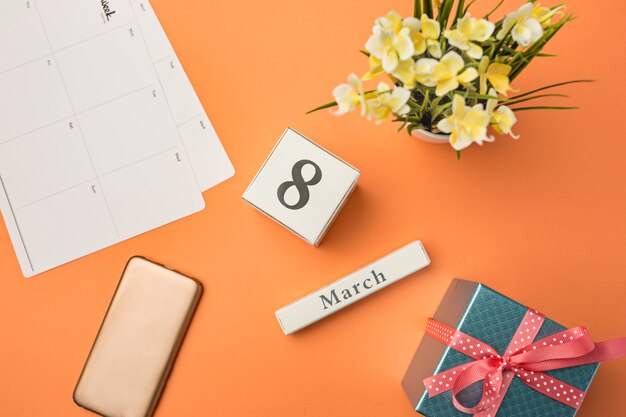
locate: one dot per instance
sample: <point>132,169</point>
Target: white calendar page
<point>102,136</point>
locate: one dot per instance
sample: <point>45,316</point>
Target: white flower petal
<point>536,29</point>
<point>390,61</point>
<point>483,30</point>
<point>404,45</point>
<point>399,98</point>
<point>445,125</point>
<point>475,51</point>
<point>453,62</point>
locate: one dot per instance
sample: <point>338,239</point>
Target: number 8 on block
<point>302,186</point>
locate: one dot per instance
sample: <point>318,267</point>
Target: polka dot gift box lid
<point>484,315</point>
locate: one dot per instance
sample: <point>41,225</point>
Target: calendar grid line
<point>75,114</point>
<point>90,38</point>
<point>195,116</point>
<point>55,194</point>
<point>53,51</point>
<point>156,73</point>
<point>17,225</point>
<point>25,63</point>
<point>162,59</point>
<point>138,161</point>
<point>4,142</point>
<point>115,98</point>
<point>96,178</point>
<point>69,97</point>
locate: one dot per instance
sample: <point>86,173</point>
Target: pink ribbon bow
<point>523,358</point>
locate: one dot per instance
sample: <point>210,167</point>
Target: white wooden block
<point>302,186</point>
<point>353,287</point>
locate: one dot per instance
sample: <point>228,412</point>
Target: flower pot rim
<point>430,137</point>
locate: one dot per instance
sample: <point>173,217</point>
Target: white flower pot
<point>430,137</point>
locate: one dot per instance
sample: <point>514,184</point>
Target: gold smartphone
<point>138,340</point>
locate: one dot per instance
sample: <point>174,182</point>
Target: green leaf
<point>439,110</point>
<point>458,155</point>
<point>426,100</point>
<point>405,122</point>
<point>512,102</point>
<point>444,12</point>
<point>496,49</point>
<point>414,105</point>
<point>334,103</point>
<point>428,8</point>
<point>515,54</point>
<point>322,107</point>
<point>413,126</point>
<point>550,86</point>
<point>470,94</point>
<point>468,6</point>
<point>367,54</point>
<point>417,10</point>
<point>413,120</point>
<point>544,108</point>
<point>494,9</point>
<point>535,49</point>
<point>459,11</point>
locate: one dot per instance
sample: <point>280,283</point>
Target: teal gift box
<point>483,313</point>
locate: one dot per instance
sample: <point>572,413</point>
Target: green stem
<point>459,10</point>
<point>428,8</point>
<point>468,6</point>
<point>494,9</point>
<point>417,10</point>
<point>496,48</point>
<point>444,12</point>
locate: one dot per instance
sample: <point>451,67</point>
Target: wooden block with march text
<point>353,287</point>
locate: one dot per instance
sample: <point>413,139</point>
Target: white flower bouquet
<point>451,72</point>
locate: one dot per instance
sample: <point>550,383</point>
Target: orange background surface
<point>540,219</point>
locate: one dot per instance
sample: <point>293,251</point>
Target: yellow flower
<point>405,72</point>
<point>466,125</point>
<point>501,118</point>
<point>390,41</point>
<point>425,71</point>
<point>497,74</point>
<point>389,52</point>
<point>444,75</point>
<point>427,37</point>
<point>392,22</point>
<point>523,26</point>
<point>349,96</point>
<point>376,68</point>
<point>388,102</point>
<point>545,14</point>
<point>469,29</point>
